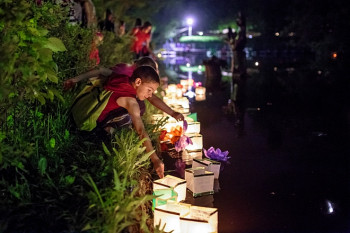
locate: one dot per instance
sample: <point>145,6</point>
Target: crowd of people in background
<point>83,13</point>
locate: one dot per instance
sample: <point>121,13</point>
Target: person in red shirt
<point>136,27</point>
<point>140,46</point>
<point>94,56</point>
<point>131,85</point>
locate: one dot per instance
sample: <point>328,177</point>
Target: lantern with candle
<point>199,181</point>
<point>172,182</point>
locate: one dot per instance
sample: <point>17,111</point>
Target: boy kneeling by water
<point>126,106</point>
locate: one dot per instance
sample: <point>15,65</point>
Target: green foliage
<point>129,155</point>
<point>51,177</point>
<point>78,41</point>
<point>28,70</point>
<point>115,49</point>
<point>113,209</point>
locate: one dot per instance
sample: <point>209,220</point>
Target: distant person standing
<point>239,75</point>
<point>213,74</point>
<point>75,13</point>
<point>108,23</point>
<point>231,40</point>
<point>239,45</point>
<point>137,26</point>
<point>88,14</point>
<point>121,28</point>
<point>140,46</point>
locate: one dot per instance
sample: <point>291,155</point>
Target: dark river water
<point>289,170</point>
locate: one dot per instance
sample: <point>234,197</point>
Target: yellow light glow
<point>334,55</point>
<point>200,91</point>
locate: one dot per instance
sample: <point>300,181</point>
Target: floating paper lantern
<point>179,92</point>
<point>179,185</point>
<point>200,220</point>
<point>164,195</point>
<point>200,90</point>
<point>200,98</point>
<point>168,216</point>
<point>184,82</point>
<point>209,165</point>
<point>183,102</point>
<point>188,157</point>
<point>199,181</point>
<point>197,140</point>
<point>171,89</point>
<point>194,127</point>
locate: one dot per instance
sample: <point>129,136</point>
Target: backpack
<point>88,106</point>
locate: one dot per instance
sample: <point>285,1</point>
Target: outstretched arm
<point>158,103</point>
<point>134,110</point>
<point>69,83</point>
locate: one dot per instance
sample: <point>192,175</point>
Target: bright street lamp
<point>189,23</point>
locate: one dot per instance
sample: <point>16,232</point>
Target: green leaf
<point>42,164</point>
<point>45,54</point>
<point>2,136</point>
<point>34,31</point>
<point>69,179</point>
<point>52,76</point>
<point>50,95</point>
<point>105,149</point>
<point>66,134</point>
<point>43,31</point>
<point>52,142</point>
<point>40,97</point>
<point>144,158</point>
<point>55,44</point>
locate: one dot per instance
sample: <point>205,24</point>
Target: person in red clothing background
<point>136,28</point>
<point>140,46</point>
<point>94,56</point>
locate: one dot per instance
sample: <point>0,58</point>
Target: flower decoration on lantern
<point>216,155</point>
<point>183,141</point>
<point>177,137</point>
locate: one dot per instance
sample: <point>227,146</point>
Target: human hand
<point>159,167</point>
<point>178,116</point>
<point>68,84</point>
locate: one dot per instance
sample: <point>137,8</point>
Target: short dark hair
<point>146,24</point>
<point>145,61</point>
<point>146,74</point>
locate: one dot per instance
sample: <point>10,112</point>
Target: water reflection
<point>291,167</point>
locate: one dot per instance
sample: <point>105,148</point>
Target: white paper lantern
<point>199,181</point>
<point>193,127</point>
<point>183,102</point>
<point>200,90</point>
<point>197,140</point>
<point>168,216</point>
<point>184,82</point>
<point>162,196</point>
<point>169,181</point>
<point>200,220</point>
<point>179,92</point>
<point>209,165</point>
<point>200,97</point>
<point>171,89</point>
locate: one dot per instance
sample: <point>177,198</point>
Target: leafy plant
<point>28,70</point>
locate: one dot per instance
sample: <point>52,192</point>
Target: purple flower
<point>183,140</point>
<point>182,143</point>
<point>216,155</point>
